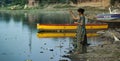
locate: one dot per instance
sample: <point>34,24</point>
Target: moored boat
<point>70,26</point>
<point>108,16</point>
<point>112,15</point>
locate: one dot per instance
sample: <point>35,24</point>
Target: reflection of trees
<point>27,21</point>
<point>54,18</point>
<point>17,17</point>
<point>5,16</point>
<point>30,20</point>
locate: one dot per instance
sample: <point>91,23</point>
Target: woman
<point>81,30</point>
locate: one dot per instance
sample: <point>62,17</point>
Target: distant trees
<point>20,2</point>
<point>5,2</point>
<point>23,2</point>
<point>13,2</point>
<point>54,1</point>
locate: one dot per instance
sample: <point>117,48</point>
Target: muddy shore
<point>107,51</point>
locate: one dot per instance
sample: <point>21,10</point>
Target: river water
<point>19,41</point>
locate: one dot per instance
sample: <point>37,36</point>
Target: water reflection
<point>58,35</point>
<point>55,18</point>
<point>18,40</point>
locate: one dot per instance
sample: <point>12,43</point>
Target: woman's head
<point>81,11</point>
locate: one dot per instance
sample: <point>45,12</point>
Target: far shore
<point>51,9</point>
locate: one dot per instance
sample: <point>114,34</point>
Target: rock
<point>51,50</point>
<point>70,51</point>
<point>67,56</point>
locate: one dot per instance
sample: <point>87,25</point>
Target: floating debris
<point>65,51</point>
<point>68,48</point>
<point>68,55</point>
<point>44,43</point>
<point>59,46</point>
<point>51,57</point>
<point>41,52</point>
<point>41,47</point>
<point>51,50</point>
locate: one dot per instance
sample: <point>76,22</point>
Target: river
<point>19,41</point>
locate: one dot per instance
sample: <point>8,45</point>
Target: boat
<point>70,26</point>
<point>108,16</point>
<point>112,15</point>
<point>57,35</point>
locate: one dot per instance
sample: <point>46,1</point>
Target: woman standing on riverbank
<point>81,31</point>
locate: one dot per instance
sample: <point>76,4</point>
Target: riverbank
<point>53,7</point>
<point>109,50</point>
<point>91,12</point>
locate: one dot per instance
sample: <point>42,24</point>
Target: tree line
<point>23,2</point>
<point>13,2</point>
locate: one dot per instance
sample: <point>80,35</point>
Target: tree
<point>4,2</point>
<point>20,2</point>
<point>31,3</point>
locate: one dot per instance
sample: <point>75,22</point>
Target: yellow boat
<point>49,35</point>
<point>70,26</point>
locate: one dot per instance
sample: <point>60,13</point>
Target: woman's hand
<point>77,23</point>
<point>73,16</point>
<point>71,11</point>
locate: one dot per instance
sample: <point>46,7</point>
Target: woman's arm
<point>77,23</point>
<point>73,16</point>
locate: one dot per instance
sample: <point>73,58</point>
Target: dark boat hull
<point>108,16</point>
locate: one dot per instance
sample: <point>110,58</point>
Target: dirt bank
<point>109,50</point>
